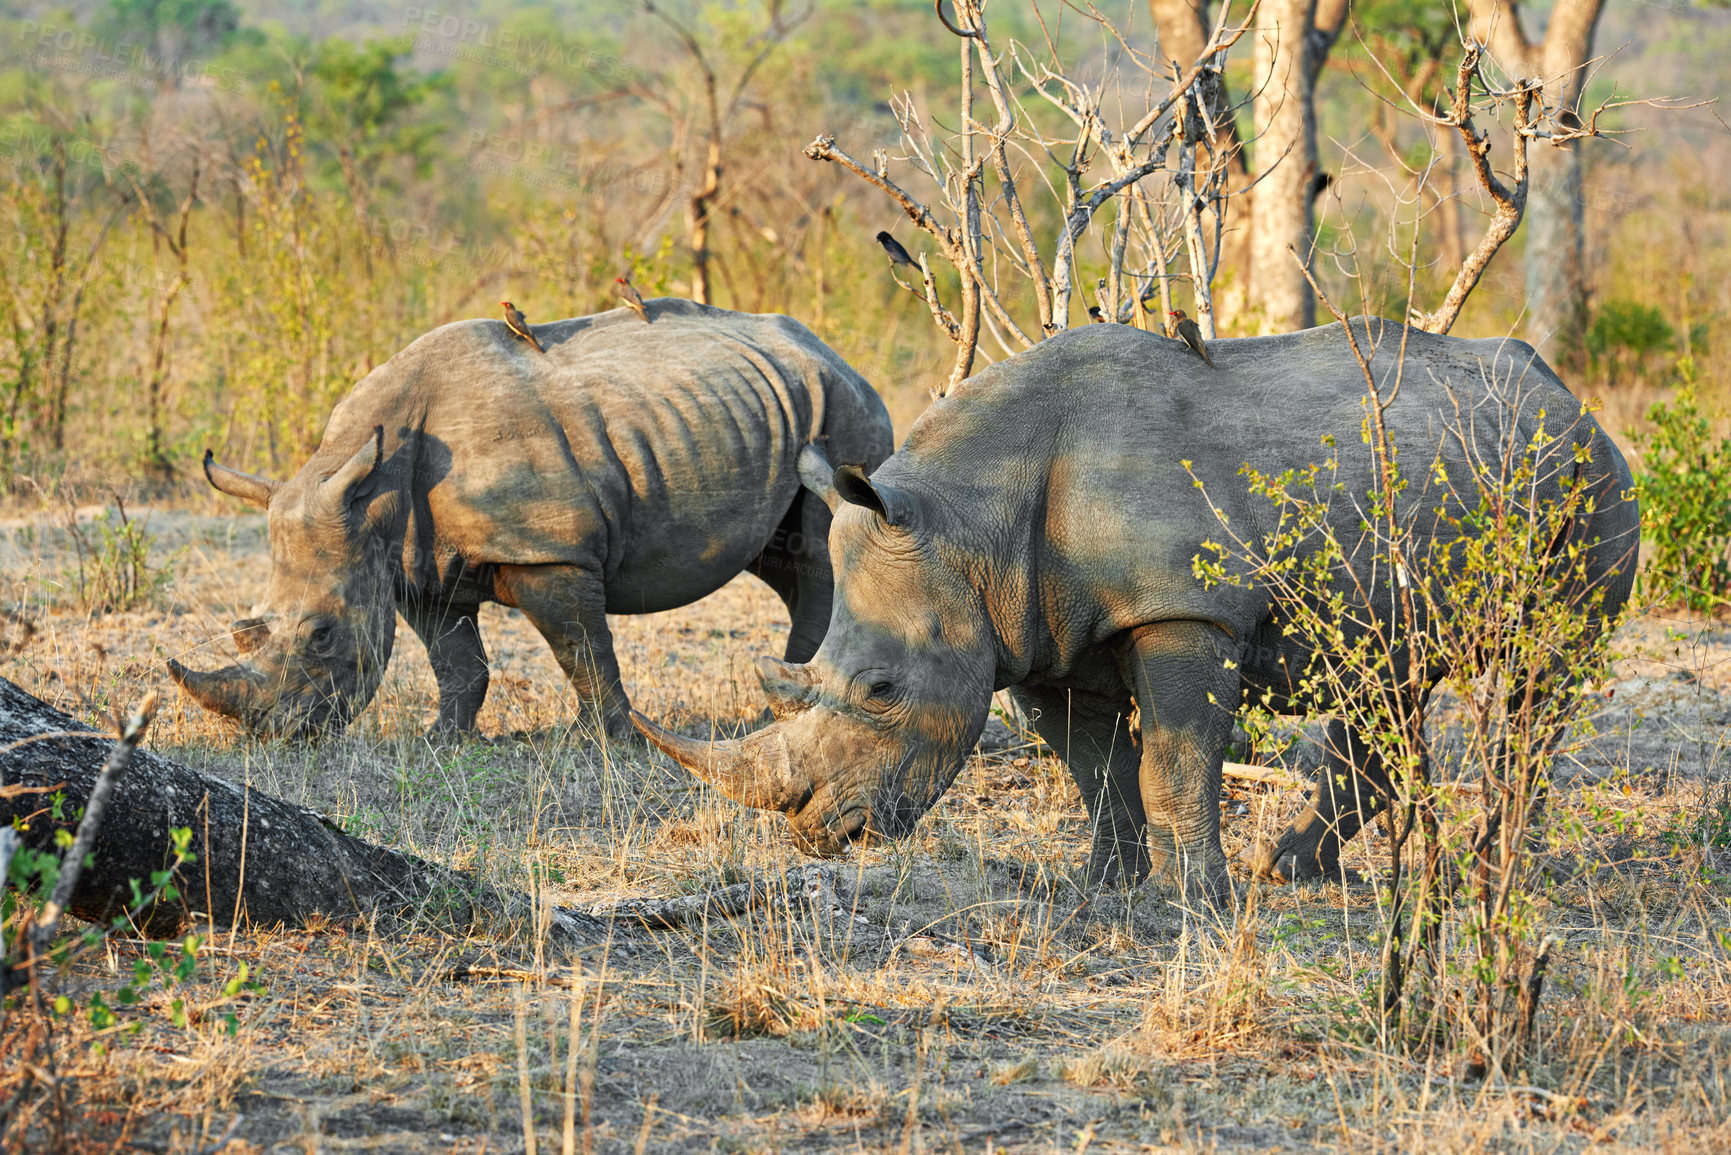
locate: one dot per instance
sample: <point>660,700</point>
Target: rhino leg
<point>1186,683</point>
<point>795,564</point>
<point>1352,788</point>
<point>568,606</point>
<point>452,635</point>
<point>1091,733</point>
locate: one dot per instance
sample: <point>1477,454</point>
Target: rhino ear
<point>817,475</point>
<point>246,486</point>
<point>894,506</point>
<point>345,483</point>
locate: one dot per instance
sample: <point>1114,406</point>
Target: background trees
<point>369,172</point>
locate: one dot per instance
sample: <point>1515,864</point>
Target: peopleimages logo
<point>480,42</point>
<point>77,50</point>
<point>22,142</point>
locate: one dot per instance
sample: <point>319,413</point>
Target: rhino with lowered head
<point>628,469</point>
<point>1037,531</point>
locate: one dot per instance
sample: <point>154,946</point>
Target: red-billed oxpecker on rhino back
<point>1038,530</point>
<point>631,468</point>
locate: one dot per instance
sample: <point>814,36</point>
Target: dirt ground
<point>960,993</point>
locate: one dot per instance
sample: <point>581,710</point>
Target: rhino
<point>1038,531</point>
<point>630,468</point>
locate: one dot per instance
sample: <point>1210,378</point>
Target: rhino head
<point>870,732</point>
<point>315,650</point>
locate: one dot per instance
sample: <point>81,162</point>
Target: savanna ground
<point>975,999</point>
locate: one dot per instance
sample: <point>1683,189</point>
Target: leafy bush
<point>1511,626</point>
<point>1685,487</point>
<point>114,572</point>
<point>1630,326</point>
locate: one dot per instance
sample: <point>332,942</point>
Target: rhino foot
<point>619,731</point>
<point>445,732</point>
<point>1281,863</point>
<point>1198,887</point>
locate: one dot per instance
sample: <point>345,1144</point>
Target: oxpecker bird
<point>519,327</point>
<point>898,255</point>
<point>1189,332</point>
<point>632,298</point>
<point>1095,312</point>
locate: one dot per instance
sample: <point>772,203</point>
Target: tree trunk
<point>697,222</point>
<point>1556,248</point>
<point>260,859</point>
<point>1184,27</point>
<point>1556,253</point>
<point>1286,165</point>
<point>1448,202</point>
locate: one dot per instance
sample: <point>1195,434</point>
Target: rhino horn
<point>228,691</point>
<point>250,633</point>
<point>246,486</point>
<point>756,771</point>
<point>789,686</point>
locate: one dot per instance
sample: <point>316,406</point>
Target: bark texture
<point>1286,159</point>
<point>260,859</point>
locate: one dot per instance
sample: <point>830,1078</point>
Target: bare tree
<point>1165,198</point>
<point>1140,118</point>
<point>1557,63</point>
<point>165,233</point>
<point>1184,27</point>
<point>1270,209</point>
<point>1478,98</point>
<point>717,116</point>
<point>1410,54</point>
<point>45,279</point>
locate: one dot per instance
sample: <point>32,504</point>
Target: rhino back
<point>662,455</point>
<point>1083,457</point>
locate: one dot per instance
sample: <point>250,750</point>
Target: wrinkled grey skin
<point>631,468</point>
<point>1037,532</point>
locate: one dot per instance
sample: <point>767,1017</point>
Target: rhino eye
<point>882,689</point>
<point>322,639</point>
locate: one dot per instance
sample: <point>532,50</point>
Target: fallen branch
<point>814,890</point>
<point>667,913</point>
<point>298,863</point>
<point>1264,775</point>
<point>73,863</point>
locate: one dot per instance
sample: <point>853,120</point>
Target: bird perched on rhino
<point>1096,315</point>
<point>897,254</point>
<point>1189,332</point>
<point>519,327</point>
<point>632,298</point>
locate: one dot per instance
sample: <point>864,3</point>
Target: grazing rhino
<point>630,468</point>
<point>1037,531</point>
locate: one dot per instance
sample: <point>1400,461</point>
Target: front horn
<point>757,771</point>
<point>231,692</point>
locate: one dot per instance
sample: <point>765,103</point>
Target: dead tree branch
<point>261,859</point>
<point>984,232</point>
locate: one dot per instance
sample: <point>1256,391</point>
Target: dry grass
<point>981,1004</point>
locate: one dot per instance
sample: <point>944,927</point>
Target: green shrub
<point>1510,626</point>
<point>1628,325</point>
<point>1685,487</point>
<point>114,572</point>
